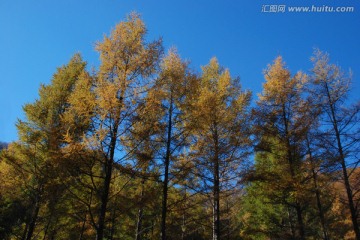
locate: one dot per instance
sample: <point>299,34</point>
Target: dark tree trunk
<point>292,166</point>
<point>109,161</point>
<point>113,223</point>
<point>301,228</point>
<point>34,217</point>
<point>216,188</point>
<point>320,208</point>
<point>166,173</point>
<point>183,226</point>
<point>350,195</point>
<point>343,165</point>
<point>138,233</point>
<point>104,200</point>
<point>85,218</point>
<point>292,228</point>
<point>48,226</point>
<point>317,193</point>
<point>82,228</point>
<point>216,203</point>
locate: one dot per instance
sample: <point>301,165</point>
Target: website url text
<point>306,9</point>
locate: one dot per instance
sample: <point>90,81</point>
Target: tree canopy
<point>145,147</point>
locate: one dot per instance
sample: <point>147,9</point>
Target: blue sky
<point>38,36</point>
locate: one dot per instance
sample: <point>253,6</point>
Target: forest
<point>145,147</point>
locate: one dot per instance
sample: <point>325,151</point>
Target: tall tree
<point>340,136</point>
<point>127,62</point>
<point>318,175</point>
<point>282,119</point>
<point>142,145</point>
<point>172,88</point>
<point>37,155</point>
<point>220,133</point>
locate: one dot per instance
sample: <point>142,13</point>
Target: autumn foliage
<point>145,147</point>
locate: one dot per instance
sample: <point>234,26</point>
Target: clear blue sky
<point>37,36</point>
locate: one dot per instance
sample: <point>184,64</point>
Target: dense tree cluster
<point>146,148</point>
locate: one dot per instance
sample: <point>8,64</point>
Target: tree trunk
<point>320,208</point>
<point>291,160</point>
<point>183,226</point>
<point>317,193</point>
<point>113,222</point>
<point>292,228</point>
<point>83,228</point>
<point>229,220</point>
<point>107,181</point>
<point>34,217</point>
<point>104,200</point>
<point>138,233</point>
<point>85,218</point>
<point>166,174</point>
<point>47,226</point>
<point>216,189</point>
<point>301,228</point>
<point>343,165</point>
<point>351,202</point>
<point>216,203</point>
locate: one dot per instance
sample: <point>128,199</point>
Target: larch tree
<point>282,119</point>
<point>219,134</point>
<point>37,154</point>
<point>143,148</point>
<point>317,172</point>
<point>81,177</point>
<point>127,64</point>
<point>340,132</point>
<point>173,87</point>
<point>158,136</point>
<point>140,142</point>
